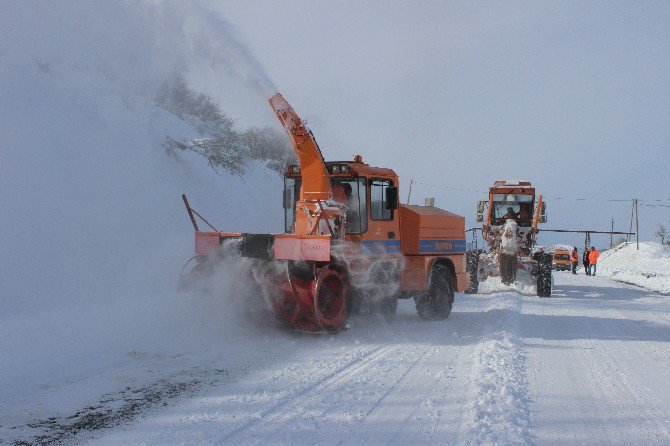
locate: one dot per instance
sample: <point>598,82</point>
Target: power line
<point>450,188</point>
<point>622,200</point>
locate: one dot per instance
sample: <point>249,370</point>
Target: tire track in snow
<point>291,404</point>
<point>403,391</point>
<point>618,382</point>
<point>607,387</point>
<point>498,411</point>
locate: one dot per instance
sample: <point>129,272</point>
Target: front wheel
<point>437,303</point>
<point>379,295</point>
<point>544,276</point>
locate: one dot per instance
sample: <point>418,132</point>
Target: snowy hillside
<point>649,267</point>
<point>94,231</point>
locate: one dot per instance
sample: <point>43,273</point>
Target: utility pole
<point>612,235</point>
<point>409,194</point>
<point>630,228</point>
<point>637,227</point>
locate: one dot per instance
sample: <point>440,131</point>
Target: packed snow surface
<point>587,366</point>
<point>649,267</point>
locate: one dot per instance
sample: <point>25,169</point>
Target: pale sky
<point>573,96</point>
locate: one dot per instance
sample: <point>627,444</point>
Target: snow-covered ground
<point>97,347</point>
<point>588,366</point>
<point>649,267</point>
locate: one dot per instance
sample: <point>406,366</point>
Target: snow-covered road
<point>591,365</point>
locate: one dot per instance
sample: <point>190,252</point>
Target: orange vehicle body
<point>561,260</point>
<point>411,238</point>
<point>531,219</point>
<point>345,227</point>
<point>510,218</point>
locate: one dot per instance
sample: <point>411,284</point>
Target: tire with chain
<point>437,303</point>
<point>472,264</point>
<point>544,275</point>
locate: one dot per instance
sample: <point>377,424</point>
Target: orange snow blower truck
<point>348,243</point>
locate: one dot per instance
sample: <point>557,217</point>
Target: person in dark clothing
<point>585,262</point>
<point>510,215</point>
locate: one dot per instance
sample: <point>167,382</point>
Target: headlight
<point>295,169</point>
<point>336,169</point>
<point>345,168</point>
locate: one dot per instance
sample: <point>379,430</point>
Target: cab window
<point>378,205</point>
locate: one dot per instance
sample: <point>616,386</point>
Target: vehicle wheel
<point>380,295</point>
<point>436,304</point>
<point>544,276</point>
<point>508,268</point>
<point>472,263</point>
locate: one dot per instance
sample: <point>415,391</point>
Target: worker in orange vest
<point>574,259</point>
<point>593,260</point>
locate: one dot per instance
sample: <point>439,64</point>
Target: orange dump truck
<point>349,245</point>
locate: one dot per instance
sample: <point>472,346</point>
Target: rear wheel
<point>436,304</point>
<point>544,275</point>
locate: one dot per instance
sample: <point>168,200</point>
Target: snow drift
<point>649,267</point>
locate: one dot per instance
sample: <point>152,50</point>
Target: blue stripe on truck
<point>380,246</point>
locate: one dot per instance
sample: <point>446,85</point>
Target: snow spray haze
<point>228,291</point>
<point>205,48</point>
<point>95,228</point>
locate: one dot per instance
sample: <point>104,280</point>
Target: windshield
<point>561,257</point>
<point>350,191</point>
<point>519,211</point>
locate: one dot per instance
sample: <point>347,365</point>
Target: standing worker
<point>593,260</point>
<point>585,261</point>
<point>574,259</point>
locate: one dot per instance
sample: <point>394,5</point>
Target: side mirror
<point>479,218</point>
<point>543,213</point>
<point>392,197</point>
<point>480,206</point>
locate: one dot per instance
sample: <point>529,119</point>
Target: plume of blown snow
<point>94,232</point>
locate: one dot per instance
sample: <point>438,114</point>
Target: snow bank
<point>552,248</point>
<point>649,267</point>
<point>499,404</point>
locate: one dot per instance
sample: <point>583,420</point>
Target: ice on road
<point>590,365</point>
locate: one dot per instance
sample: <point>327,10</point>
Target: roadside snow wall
<point>649,267</point>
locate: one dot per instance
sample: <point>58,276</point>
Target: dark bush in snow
<point>218,140</point>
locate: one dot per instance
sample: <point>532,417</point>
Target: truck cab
<point>513,200</point>
<point>380,233</point>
